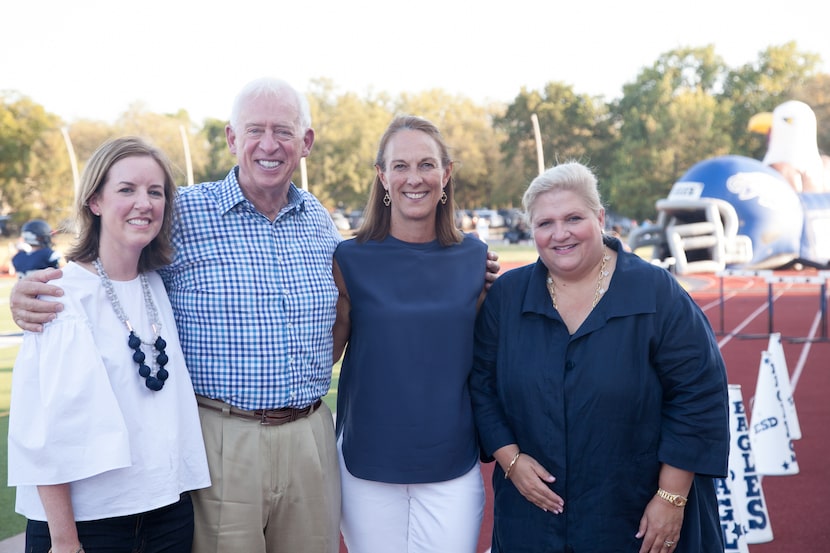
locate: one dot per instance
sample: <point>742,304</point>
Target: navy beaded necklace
<point>153,378</point>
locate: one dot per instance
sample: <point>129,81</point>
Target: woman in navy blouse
<point>599,388</point>
<point>410,284</point>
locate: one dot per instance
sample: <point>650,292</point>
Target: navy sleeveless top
<point>403,405</point>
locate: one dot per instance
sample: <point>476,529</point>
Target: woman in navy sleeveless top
<point>410,285</point>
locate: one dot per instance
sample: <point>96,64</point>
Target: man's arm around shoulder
<point>29,312</point>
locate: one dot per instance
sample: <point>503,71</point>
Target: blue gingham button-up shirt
<point>254,299</point>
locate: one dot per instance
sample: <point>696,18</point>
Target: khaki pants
<point>275,489</point>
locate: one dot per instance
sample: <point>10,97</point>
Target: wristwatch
<point>674,498</point>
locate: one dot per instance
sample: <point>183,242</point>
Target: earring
<point>387,201</point>
<point>444,197</point>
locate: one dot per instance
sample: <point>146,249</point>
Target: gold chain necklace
<point>597,294</point>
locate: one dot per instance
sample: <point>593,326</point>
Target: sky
<point>92,59</point>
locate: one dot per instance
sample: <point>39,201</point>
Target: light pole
<point>187,160</point>
<point>73,161</point>
<point>540,156</point>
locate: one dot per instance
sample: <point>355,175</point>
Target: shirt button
<point>569,365</point>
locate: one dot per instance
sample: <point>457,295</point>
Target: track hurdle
<point>770,278</point>
<point>762,273</point>
<point>819,280</point>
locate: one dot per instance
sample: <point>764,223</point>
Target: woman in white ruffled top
<point>104,434</point>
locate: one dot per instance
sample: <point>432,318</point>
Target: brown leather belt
<point>265,417</point>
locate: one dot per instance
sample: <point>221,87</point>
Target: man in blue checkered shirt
<point>254,299</point>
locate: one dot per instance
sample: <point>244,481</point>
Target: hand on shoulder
<point>29,312</point>
<point>493,268</point>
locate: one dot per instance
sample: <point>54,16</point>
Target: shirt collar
<point>229,195</point>
<point>627,294</point>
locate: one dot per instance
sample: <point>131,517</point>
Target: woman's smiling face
<point>566,231</point>
<point>131,204</point>
<point>413,177</point>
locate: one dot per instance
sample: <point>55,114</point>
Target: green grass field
<point>10,522</point>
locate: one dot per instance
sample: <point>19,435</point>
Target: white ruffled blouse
<point>81,413</point>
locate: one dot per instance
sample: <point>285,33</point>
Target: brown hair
<point>377,217</point>
<point>157,253</point>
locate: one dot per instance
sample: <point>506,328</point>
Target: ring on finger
<point>669,543</point>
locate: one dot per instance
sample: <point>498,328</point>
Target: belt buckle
<point>277,419</point>
<point>265,420</point>
<point>290,415</point>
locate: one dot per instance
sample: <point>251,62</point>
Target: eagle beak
<point>760,123</point>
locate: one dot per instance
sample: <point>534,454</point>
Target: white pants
<point>438,517</point>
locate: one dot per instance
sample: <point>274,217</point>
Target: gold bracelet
<point>674,498</point>
<point>510,466</point>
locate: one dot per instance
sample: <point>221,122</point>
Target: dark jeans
<point>165,530</point>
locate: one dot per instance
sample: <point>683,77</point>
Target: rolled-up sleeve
<point>695,418</point>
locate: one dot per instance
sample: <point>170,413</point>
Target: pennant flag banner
<point>770,442</point>
<point>733,528</point>
<point>776,352</point>
<point>752,523</point>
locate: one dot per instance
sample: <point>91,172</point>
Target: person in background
<point>104,436</point>
<point>35,251</point>
<point>616,232</point>
<point>599,389</point>
<point>252,290</point>
<point>483,228</point>
<point>410,284</point>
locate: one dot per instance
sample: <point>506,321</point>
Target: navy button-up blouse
<point>640,383</point>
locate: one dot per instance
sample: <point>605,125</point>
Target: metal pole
<point>187,160</point>
<point>303,174</point>
<point>73,161</point>
<point>540,156</point>
<point>722,307</point>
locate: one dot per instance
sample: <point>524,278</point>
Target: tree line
<point>687,106</point>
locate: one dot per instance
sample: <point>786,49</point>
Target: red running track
<point>798,505</point>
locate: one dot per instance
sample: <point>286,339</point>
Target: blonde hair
<point>571,176</point>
